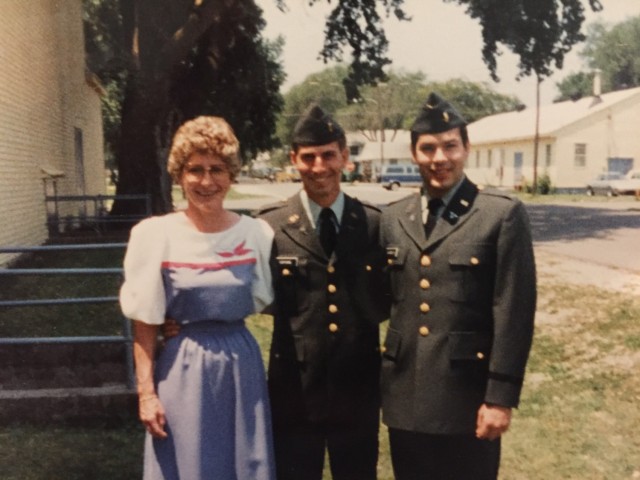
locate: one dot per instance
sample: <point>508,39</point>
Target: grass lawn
<point>579,417</point>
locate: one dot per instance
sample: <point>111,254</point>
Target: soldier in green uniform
<point>331,295</point>
<point>463,289</point>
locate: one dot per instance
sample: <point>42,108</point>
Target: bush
<point>543,186</point>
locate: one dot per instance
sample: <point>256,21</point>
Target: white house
<point>577,140</point>
<point>371,151</point>
<point>50,120</point>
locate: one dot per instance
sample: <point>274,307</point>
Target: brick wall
<point>44,97</point>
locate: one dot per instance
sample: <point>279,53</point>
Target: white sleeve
<point>142,296</point>
<point>262,288</point>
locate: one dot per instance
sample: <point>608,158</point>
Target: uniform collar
<point>312,209</point>
<point>445,199</point>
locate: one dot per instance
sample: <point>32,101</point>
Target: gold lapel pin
<point>464,203</point>
<point>294,218</point>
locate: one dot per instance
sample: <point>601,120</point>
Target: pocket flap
<point>392,344</point>
<point>395,256</point>
<point>471,255</point>
<point>469,345</point>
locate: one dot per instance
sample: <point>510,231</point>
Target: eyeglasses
<point>198,171</point>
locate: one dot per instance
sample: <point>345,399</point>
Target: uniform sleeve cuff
<point>503,393</point>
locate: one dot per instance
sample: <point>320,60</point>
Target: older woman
<point>203,397</point>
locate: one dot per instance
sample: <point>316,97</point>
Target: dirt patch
<point>562,269</point>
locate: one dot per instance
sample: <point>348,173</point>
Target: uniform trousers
<point>353,451</point>
<point>423,456</point>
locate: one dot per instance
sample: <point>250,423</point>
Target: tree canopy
<point>164,61</point>
<point>615,52</point>
<point>390,105</point>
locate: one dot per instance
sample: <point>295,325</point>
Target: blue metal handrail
<point>126,338</point>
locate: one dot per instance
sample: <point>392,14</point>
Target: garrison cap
<point>437,116</point>
<point>316,127</point>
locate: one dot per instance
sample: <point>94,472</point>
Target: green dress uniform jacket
<point>324,363</point>
<point>463,304</point>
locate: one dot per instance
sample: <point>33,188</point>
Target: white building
<point>577,140</point>
<point>371,151</point>
<point>50,120</point>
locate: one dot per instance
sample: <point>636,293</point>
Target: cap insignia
<point>445,116</point>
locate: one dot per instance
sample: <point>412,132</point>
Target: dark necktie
<point>433,206</point>
<point>328,234</point>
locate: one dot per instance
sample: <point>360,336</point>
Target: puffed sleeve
<point>262,288</point>
<point>142,296</point>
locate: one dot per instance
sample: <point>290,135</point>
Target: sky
<point>441,40</point>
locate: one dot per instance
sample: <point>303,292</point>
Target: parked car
<point>615,183</point>
<point>393,177</point>
<point>288,174</point>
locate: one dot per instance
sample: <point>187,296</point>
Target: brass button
<point>480,355</point>
<point>425,260</point>
<point>424,307</point>
<point>331,269</point>
<point>286,272</point>
<point>368,268</point>
<point>333,328</point>
<point>390,261</point>
<point>383,349</point>
<point>474,261</point>
<point>424,331</point>
<point>424,284</point>
<point>333,308</point>
<point>331,288</point>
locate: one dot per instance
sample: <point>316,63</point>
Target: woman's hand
<point>152,415</point>
<point>150,409</point>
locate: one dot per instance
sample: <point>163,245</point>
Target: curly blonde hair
<point>204,135</point>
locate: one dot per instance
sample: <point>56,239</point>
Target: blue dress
<point>210,378</point>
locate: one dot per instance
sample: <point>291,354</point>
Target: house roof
<point>397,145</point>
<point>521,125</point>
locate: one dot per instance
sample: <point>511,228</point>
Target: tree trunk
<point>141,163</point>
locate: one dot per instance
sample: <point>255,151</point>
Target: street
<point>592,242</point>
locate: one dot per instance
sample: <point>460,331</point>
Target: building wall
<point>610,133</point>
<point>501,170</point>
<point>44,97</point>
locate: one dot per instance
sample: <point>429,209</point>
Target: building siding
<point>44,95</point>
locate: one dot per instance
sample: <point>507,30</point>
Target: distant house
<point>370,154</point>
<point>577,140</point>
<point>50,121</point>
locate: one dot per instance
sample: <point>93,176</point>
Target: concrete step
<point>50,366</point>
<point>109,403</point>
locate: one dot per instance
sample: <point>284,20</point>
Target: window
<point>547,155</point>
<point>580,155</point>
<point>489,159</point>
<point>477,158</point>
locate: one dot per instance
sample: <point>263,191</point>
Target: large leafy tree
<point>164,61</point>
<point>539,32</point>
<point>615,51</point>
<point>574,86</point>
<point>389,105</point>
<point>164,39</point>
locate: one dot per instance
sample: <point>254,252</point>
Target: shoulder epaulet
<point>400,200</point>
<point>371,206</point>
<point>497,193</point>
<point>271,207</point>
